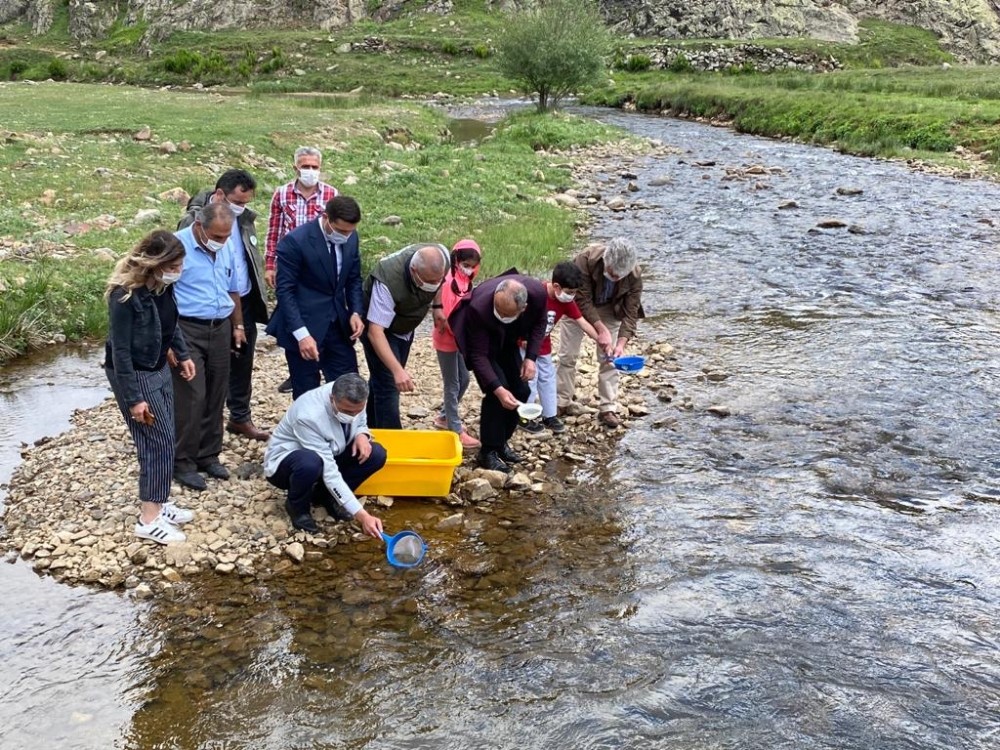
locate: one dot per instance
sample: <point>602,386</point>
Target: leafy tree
<point>554,49</point>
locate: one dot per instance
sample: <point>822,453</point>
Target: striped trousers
<point>154,444</point>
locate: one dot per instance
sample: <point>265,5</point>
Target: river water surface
<point>801,553</point>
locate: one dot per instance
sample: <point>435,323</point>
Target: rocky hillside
<point>968,28</point>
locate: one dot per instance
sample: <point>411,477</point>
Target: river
<point>802,554</point>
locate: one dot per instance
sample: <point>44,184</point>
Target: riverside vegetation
<point>88,169</point>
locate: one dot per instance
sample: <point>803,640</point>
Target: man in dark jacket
<point>398,294</point>
<point>487,326</point>
<point>318,317</point>
<point>235,188</point>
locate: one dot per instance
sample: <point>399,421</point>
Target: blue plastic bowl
<point>629,364</point>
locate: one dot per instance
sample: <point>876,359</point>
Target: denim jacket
<point>134,337</point>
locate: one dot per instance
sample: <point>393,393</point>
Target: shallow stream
<point>804,557</point>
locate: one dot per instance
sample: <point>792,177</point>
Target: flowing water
<point>800,553</point>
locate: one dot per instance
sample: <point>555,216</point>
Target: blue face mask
<point>333,235</point>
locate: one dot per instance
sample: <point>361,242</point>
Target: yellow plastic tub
<point>421,463</point>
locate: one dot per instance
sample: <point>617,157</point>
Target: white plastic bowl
<point>529,411</point>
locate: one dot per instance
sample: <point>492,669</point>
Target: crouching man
<point>322,451</point>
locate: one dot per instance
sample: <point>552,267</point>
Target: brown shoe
<point>609,419</point>
<point>572,409</point>
<point>247,429</point>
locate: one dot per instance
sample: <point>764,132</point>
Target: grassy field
<point>75,180</point>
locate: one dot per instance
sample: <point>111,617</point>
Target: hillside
<point>970,29</point>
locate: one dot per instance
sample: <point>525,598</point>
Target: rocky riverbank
<point>72,501</point>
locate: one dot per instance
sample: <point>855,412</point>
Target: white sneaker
<point>159,530</point>
<point>175,515</point>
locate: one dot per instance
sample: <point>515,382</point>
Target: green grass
<point>864,112</point>
<point>76,141</point>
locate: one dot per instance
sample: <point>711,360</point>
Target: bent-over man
<point>398,294</point>
<point>610,297</point>
<point>487,326</point>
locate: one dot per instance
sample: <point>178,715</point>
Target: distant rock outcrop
<point>969,28</point>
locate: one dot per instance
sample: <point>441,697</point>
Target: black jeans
<point>497,424</point>
<point>241,369</point>
<point>301,471</point>
<point>383,400</point>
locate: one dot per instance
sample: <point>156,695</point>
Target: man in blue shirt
<point>236,188</point>
<point>211,316</point>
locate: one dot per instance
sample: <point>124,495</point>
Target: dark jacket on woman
<point>135,338</point>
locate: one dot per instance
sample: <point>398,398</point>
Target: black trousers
<point>241,369</point>
<point>336,357</point>
<point>199,403</point>
<point>497,424</point>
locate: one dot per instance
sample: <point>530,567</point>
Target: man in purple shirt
<point>487,326</point>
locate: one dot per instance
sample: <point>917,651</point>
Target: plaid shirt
<point>291,209</point>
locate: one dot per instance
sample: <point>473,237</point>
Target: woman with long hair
<point>465,260</point>
<point>142,326</point>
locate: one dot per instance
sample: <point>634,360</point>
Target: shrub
<point>637,63</point>
<point>16,68</point>
<point>555,49</point>
<point>450,48</point>
<point>58,70</point>
<point>680,64</point>
<point>181,62</point>
<point>482,51</point>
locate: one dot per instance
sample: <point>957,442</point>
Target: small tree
<point>554,49</point>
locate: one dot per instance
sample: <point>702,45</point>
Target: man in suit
<point>487,326</point>
<point>236,188</point>
<point>318,317</point>
<point>322,451</point>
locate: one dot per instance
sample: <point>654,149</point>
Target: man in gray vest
<point>235,189</point>
<point>398,294</point>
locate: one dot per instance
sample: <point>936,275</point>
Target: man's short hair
<point>568,275</point>
<point>213,213</point>
<point>307,151</point>
<point>235,178</point>
<point>437,262</point>
<point>517,291</point>
<point>350,387</point>
<point>620,257</point>
<point>343,207</point>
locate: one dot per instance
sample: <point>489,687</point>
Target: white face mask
<point>169,278</point>
<point>236,208</point>
<point>308,177</point>
<point>210,244</point>
<point>565,297</point>
<point>467,271</point>
<point>503,319</point>
<point>346,418</point>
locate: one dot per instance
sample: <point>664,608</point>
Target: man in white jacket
<point>322,451</point>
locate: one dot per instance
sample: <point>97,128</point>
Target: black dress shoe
<point>490,460</point>
<point>302,522</point>
<point>508,455</point>
<point>215,470</point>
<point>285,387</point>
<point>190,479</point>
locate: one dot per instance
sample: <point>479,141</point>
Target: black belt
<point>213,322</point>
